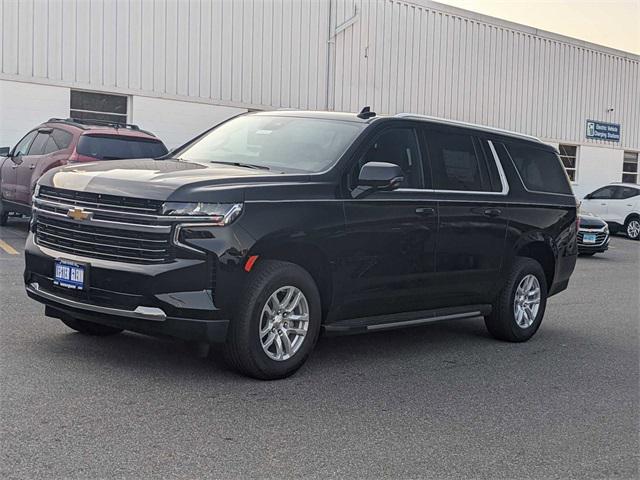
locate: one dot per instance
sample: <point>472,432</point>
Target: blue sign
<point>609,132</point>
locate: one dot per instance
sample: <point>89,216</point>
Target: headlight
<point>218,213</point>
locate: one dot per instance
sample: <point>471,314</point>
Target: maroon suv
<point>59,142</point>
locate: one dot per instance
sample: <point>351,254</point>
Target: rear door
<point>621,204</point>
<point>470,188</point>
<point>390,236</point>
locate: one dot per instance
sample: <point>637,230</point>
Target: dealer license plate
<point>69,274</point>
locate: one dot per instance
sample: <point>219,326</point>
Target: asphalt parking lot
<point>440,401</point>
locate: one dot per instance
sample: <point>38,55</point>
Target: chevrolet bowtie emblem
<point>79,214</point>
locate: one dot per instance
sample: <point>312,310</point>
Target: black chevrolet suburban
<point>274,227</point>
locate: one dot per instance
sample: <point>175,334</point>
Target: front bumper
<point>175,299</point>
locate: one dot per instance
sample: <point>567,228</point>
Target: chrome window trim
<point>475,126</point>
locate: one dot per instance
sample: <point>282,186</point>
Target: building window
<point>630,167</point>
<point>569,157</point>
<point>98,106</point>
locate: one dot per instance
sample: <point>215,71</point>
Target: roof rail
<point>84,122</point>
<point>470,125</point>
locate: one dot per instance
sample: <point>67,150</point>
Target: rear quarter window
<point>111,147</point>
<point>540,170</point>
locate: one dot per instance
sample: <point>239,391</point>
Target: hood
<point>157,179</point>
<point>591,221</point>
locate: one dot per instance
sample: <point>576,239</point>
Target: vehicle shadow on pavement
<point>440,345</point>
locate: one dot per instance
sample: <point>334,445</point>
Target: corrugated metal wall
<point>315,54</point>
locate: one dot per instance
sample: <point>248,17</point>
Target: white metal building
<point>183,65</point>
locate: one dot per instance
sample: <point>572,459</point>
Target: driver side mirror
<point>588,196</point>
<point>379,176</point>
<point>4,151</point>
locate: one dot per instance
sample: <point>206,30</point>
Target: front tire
<point>90,328</point>
<point>277,324</point>
<point>520,305</point>
<point>632,227</point>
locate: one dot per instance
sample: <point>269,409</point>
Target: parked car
<point>619,205</point>
<point>274,226</point>
<point>59,142</point>
<point>593,235</point>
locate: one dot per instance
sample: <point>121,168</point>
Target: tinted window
<point>626,192</point>
<point>37,147</point>
<point>276,142</point>
<point>58,140</point>
<point>396,145</point>
<point>541,170</point>
<point>114,148</point>
<point>23,146</point>
<point>604,193</point>
<point>455,164</point>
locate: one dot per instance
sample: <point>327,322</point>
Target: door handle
<point>426,211</point>
<point>492,212</point>
<point>14,166</point>
<point>32,167</point>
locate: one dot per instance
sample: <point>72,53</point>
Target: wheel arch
<point>308,256</point>
<point>541,252</point>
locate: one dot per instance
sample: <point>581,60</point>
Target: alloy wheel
<point>284,323</point>
<point>527,301</point>
<point>633,229</point>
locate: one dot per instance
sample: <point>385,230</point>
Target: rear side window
<point>455,162</point>
<point>109,147</point>
<point>58,140</point>
<point>626,192</point>
<point>540,170</point>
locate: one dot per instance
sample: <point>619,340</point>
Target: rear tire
<point>264,355</point>
<point>517,296</point>
<point>90,328</point>
<point>4,215</point>
<point>632,228</point>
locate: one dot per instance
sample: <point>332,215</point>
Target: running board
<point>406,319</point>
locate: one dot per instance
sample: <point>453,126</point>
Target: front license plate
<point>589,238</point>
<point>69,274</point>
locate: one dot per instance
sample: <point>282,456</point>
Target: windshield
<point>275,142</point>
<point>110,147</point>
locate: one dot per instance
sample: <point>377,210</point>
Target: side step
<point>405,319</point>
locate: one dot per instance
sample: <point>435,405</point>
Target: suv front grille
<point>110,203</point>
<point>600,237</point>
<point>88,240</point>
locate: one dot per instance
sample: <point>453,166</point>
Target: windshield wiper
<point>241,164</point>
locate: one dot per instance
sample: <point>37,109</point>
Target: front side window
<point>539,169</point>
<point>569,157</point>
<point>455,163</point>
<point>395,145</point>
<point>281,143</point>
<point>98,106</point>
<point>630,167</point>
<point>111,147</point>
<point>37,147</point>
<point>23,146</point>
<point>604,193</point>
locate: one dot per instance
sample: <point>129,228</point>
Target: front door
<point>390,236</point>
<point>9,174</point>
<point>472,223</point>
<point>598,202</point>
